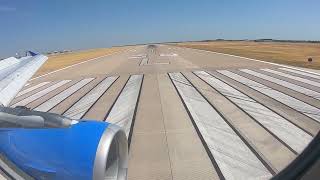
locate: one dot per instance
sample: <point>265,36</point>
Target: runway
<point>189,114</point>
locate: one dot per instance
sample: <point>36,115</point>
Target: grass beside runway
<point>59,61</point>
<point>295,54</point>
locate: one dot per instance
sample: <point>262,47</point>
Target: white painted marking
<point>122,112</point>
<point>2,177</point>
<point>294,103</point>
<point>138,56</point>
<point>40,94</point>
<point>169,55</point>
<point>161,63</point>
<point>144,61</point>
<point>82,106</point>
<point>293,77</point>
<point>31,88</point>
<point>233,156</point>
<point>286,84</point>
<point>293,136</point>
<point>9,170</point>
<point>301,73</point>
<point>46,106</point>
<point>14,77</point>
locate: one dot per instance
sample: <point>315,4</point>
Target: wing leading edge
<point>14,74</point>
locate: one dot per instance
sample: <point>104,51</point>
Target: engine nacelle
<point>85,150</point>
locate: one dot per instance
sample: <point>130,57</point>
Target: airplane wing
<point>42,145</point>
<point>14,74</point>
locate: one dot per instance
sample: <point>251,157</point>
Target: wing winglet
<point>32,53</point>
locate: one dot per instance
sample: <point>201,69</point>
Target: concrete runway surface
<point>189,114</point>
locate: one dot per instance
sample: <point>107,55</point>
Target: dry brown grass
<point>63,60</point>
<point>295,54</point>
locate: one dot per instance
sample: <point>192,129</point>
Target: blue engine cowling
<point>85,150</point>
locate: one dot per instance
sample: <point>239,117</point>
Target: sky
<point>43,26</point>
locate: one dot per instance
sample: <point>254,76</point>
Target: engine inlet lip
<point>113,132</point>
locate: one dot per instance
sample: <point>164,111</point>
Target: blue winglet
<point>32,53</point>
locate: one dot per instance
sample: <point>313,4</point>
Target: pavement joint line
<point>134,114</point>
<point>204,143</point>
<point>89,60</point>
<point>290,76</point>
<point>301,73</point>
<point>71,93</point>
<point>114,102</point>
<point>32,88</point>
<point>88,92</point>
<point>33,92</point>
<point>265,128</point>
<point>71,83</point>
<point>251,59</point>
<point>251,77</point>
<point>2,170</point>
<point>257,74</point>
<point>135,110</point>
<point>63,82</point>
<point>277,100</point>
<point>164,125</point>
<point>238,132</point>
<point>82,96</point>
<point>302,84</point>
<point>100,95</point>
<point>248,77</point>
<point>10,169</point>
<point>234,86</point>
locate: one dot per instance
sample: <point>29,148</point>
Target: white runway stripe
<point>123,110</point>
<point>290,134</point>
<point>31,88</point>
<point>301,73</point>
<point>82,106</point>
<point>9,170</point>
<point>233,156</point>
<point>296,104</point>
<point>39,94</point>
<point>293,77</point>
<point>144,61</point>
<point>46,106</point>
<point>286,84</point>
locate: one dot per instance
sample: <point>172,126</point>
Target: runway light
<point>310,59</point>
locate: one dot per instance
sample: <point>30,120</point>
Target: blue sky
<point>77,24</point>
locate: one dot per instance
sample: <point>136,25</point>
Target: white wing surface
<point>14,74</point>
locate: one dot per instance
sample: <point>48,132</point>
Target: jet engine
<point>50,146</point>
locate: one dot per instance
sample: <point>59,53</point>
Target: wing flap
<point>14,74</point>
